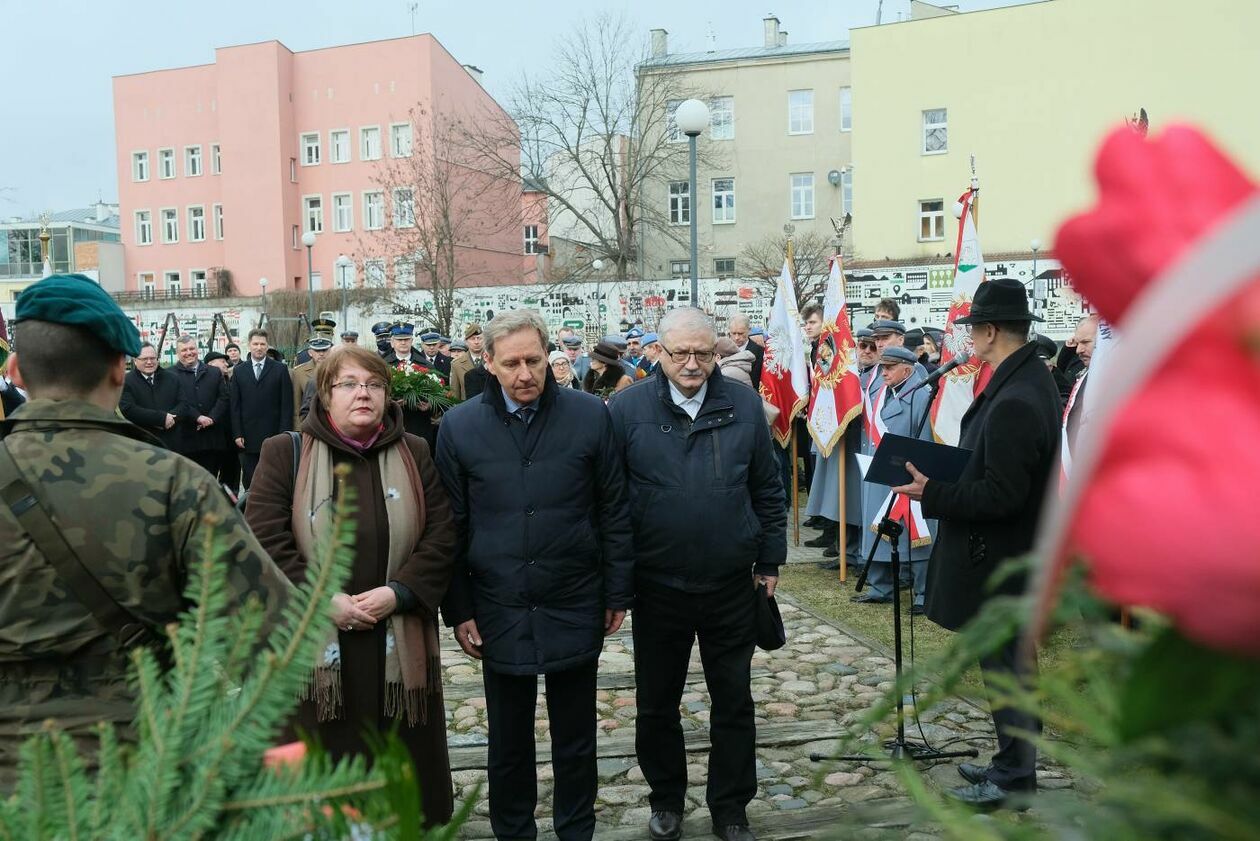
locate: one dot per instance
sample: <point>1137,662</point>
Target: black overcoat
<point>990,515</point>
<point>200,393</point>
<point>261,407</point>
<point>544,531</point>
<point>148,405</point>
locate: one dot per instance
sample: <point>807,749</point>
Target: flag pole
<point>796,492</point>
<point>975,194</point>
<point>841,531</point>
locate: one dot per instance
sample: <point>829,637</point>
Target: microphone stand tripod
<point>898,747</point>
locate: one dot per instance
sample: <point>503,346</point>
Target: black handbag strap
<point>21,499</point>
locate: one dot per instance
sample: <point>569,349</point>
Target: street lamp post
<point>262,284</point>
<point>308,239</point>
<point>1039,285</point>
<point>597,265</point>
<point>343,265</point>
<point>692,117</point>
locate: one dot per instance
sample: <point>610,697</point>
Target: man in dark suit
<point>738,328</point>
<point>990,515</point>
<point>150,396</point>
<point>262,402</point>
<point>202,408</point>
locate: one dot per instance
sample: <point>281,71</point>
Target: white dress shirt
<point>690,405</point>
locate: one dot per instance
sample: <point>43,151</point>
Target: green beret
<point>79,301</point>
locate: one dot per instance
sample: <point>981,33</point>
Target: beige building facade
<point>1031,90</point>
<point>777,151</point>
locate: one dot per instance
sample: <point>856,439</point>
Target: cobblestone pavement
<point>807,695</point>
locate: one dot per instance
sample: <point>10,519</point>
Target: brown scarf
<point>412,665</point>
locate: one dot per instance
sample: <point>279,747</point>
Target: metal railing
<point>156,295</point>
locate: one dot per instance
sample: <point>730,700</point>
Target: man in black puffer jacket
<point>706,504</point>
<point>544,567</point>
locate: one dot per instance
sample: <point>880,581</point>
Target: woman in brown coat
<point>380,666</point>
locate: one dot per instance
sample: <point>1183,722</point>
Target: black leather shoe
<point>734,832</point>
<point>829,564</point>
<point>986,796</point>
<point>665,826</point>
<point>832,551</point>
<point>820,541</point>
<point>867,598</point>
<point>973,773</point>
<point>815,522</point>
<point>918,610</point>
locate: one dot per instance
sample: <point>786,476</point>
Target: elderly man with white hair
<point>698,453</point>
<point>739,329</point>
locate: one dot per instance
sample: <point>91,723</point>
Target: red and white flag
<point>960,386</point>
<point>910,512</point>
<point>784,380</point>
<point>836,392</point>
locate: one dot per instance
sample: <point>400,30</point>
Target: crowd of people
<point>561,489</point>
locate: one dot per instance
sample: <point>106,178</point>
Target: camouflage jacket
<point>138,515</point>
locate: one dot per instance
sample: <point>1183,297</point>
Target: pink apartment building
<point>227,165</point>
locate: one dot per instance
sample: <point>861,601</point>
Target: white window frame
<point>344,134</point>
<point>193,164</point>
<point>363,136</point>
<point>139,162</point>
<point>336,212</point>
<point>174,211</point>
<point>216,219</point>
<point>937,214</point>
<point>722,119</point>
<point>192,223</point>
<point>800,212</point>
<point>216,159</point>
<point>801,114</point>
<point>295,237</point>
<point>679,268</point>
<point>161,161</point>
<point>724,212</point>
<point>679,203</point>
<point>393,145</point>
<point>146,287</point>
<point>403,220</point>
<point>145,224</point>
<point>846,190</point>
<point>179,282</point>
<point>846,109</point>
<point>531,239</point>
<point>313,221</point>
<point>193,283</point>
<point>367,210</point>
<point>310,148</point>
<point>929,127</point>
<point>717,271</point>
<point>293,170</point>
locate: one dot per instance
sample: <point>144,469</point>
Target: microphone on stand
<point>936,375</point>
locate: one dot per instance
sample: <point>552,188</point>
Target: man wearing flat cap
<point>990,514</point>
<point>107,524</point>
<point>350,337</point>
<point>469,365</point>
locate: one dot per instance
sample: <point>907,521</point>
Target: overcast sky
<point>57,129</point>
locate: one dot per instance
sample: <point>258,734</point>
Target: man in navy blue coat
<point>544,568</point>
<point>706,502</point>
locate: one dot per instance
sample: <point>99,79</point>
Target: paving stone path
<point>807,695</point>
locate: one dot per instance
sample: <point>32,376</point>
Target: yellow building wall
<point>1031,90</point>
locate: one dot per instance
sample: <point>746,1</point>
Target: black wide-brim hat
<point>1000,299</point>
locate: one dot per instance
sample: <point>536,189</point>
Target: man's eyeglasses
<point>349,387</point>
<point>681,356</point>
<point>866,345</point>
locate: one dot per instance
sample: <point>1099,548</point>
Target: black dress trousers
<point>513,773</point>
<point>1014,766</point>
<point>666,622</point>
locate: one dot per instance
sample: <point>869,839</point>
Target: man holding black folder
<point>990,514</point>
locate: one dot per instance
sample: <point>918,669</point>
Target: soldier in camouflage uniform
<point>136,514</point>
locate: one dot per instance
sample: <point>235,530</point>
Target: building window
<point>931,220</point>
<point>404,208</point>
<point>295,237</point>
<point>171,282</point>
<point>312,214</point>
<point>374,273</point>
<point>343,212</point>
<point>310,149</point>
<point>846,109</point>
<point>801,112</point>
<point>197,281</point>
<point>196,223</point>
<point>802,195</point>
<point>139,166</point>
<point>339,146</point>
<point>144,227</point>
<point>680,268</point>
<point>146,283</point>
<point>370,143</point>
<point>216,159</point>
<point>192,161</point>
<point>216,214</point>
<point>724,266</point>
<point>166,163</point>
<point>531,240</point>
<point>293,170</point>
<point>846,190</point>
<point>170,224</point>
<point>400,140</point>
<point>679,203</point>
<point>723,200</point>
<point>374,210</point>
<point>935,132</point>
<point>722,118</point>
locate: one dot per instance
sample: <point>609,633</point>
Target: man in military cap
<point>382,331</point>
<point>101,509</point>
<point>578,361</point>
<point>469,364</point>
<point>429,356</point>
<point>888,332</point>
<point>650,363</point>
<point>401,338</point>
<point>303,377</point>
<point>444,346</point>
<point>322,327</point>
<point>634,346</point>
<point>350,337</point>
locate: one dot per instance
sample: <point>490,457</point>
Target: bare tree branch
<point>763,260</point>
